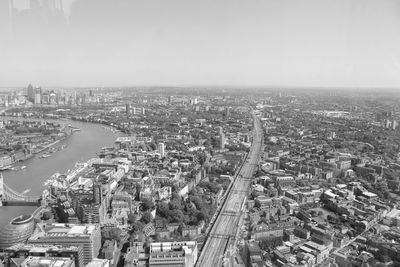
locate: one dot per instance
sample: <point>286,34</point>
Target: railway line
<point>226,224</point>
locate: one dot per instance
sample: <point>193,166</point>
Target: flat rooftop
<point>46,262</point>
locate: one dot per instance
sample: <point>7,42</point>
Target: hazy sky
<point>204,42</point>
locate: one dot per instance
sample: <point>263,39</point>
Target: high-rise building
<point>128,109</point>
<point>161,149</point>
<point>221,138</point>
<point>30,92</point>
<point>45,98</point>
<point>88,236</point>
<point>38,95</point>
<point>53,98</point>
<point>143,111</point>
<point>97,192</point>
<point>227,112</point>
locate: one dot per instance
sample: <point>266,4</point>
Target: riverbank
<point>79,147</point>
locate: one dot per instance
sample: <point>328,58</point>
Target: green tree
<point>111,234</point>
<point>163,210</point>
<point>47,215</point>
<point>132,218</point>
<point>137,226</point>
<point>146,218</point>
<point>175,205</point>
<point>147,205</point>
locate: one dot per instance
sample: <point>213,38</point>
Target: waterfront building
<point>17,231</point>
<point>88,236</point>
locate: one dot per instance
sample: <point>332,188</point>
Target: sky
<point>328,43</point>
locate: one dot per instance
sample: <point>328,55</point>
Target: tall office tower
<point>38,95</point>
<point>227,112</point>
<point>53,98</point>
<point>128,109</point>
<point>161,149</point>
<point>221,138</point>
<point>83,98</point>
<point>170,99</point>
<point>87,236</point>
<point>97,192</point>
<point>30,93</point>
<point>45,98</point>
<point>143,111</point>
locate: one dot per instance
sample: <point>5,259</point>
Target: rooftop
<point>46,262</point>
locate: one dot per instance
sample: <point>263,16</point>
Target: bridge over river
<point>10,197</point>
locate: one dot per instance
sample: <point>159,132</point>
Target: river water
<point>80,147</point>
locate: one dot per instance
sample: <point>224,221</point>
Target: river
<point>80,147</point>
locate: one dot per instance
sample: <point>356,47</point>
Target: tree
<point>132,218</point>
<point>201,216</point>
<point>147,205</point>
<point>255,194</point>
<point>111,234</point>
<point>146,218</point>
<point>175,205</point>
<point>197,201</point>
<point>257,203</point>
<point>177,216</point>
<point>163,210</point>
<point>137,226</point>
<point>47,215</point>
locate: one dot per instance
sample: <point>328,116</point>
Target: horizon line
<point>211,86</point>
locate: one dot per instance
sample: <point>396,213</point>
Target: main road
<point>226,224</point>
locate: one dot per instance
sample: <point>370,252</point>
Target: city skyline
<point>271,43</point>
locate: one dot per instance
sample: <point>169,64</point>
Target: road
<point>226,224</point>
